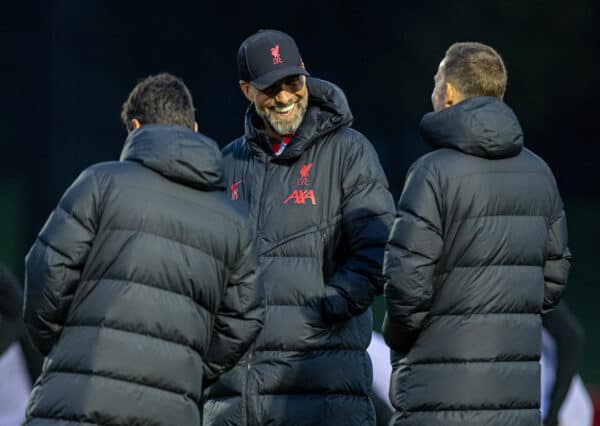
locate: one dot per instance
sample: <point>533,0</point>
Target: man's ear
<point>196,126</point>
<point>247,90</point>
<point>136,123</point>
<point>453,96</point>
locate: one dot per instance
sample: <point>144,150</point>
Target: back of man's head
<point>475,69</point>
<point>159,99</point>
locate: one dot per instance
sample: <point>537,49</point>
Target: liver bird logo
<point>276,56</point>
<point>304,171</point>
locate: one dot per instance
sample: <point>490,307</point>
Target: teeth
<point>283,110</point>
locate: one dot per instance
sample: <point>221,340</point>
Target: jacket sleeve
<point>367,215</point>
<point>53,265</point>
<point>240,317</point>
<point>558,257</point>
<point>412,252</point>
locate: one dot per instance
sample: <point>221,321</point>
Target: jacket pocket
<point>290,238</point>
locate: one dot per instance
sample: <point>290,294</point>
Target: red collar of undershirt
<point>280,146</point>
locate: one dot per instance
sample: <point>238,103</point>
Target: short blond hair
<point>475,69</point>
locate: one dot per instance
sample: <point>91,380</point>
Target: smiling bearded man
<point>284,118</point>
<point>320,211</point>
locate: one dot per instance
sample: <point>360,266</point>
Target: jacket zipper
<point>248,386</point>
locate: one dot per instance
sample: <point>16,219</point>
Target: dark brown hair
<point>159,99</point>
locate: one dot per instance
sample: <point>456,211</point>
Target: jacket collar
<point>482,126</point>
<point>178,153</point>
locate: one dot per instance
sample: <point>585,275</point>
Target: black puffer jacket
<point>321,213</point>
<point>478,250</point>
<point>140,286</point>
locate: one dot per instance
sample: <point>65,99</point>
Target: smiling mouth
<point>283,110</point>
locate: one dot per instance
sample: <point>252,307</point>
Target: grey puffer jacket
<point>477,251</point>
<point>141,287</point>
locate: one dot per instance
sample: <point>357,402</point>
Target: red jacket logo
<point>276,56</point>
<point>300,196</point>
<point>304,171</point>
<point>234,189</point>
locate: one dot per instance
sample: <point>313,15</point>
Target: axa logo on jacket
<point>301,195</point>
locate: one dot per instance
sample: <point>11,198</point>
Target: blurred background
<point>68,65</point>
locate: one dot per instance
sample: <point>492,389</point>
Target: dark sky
<point>68,65</point>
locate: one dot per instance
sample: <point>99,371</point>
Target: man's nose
<point>284,97</point>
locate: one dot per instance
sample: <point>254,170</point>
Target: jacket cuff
<point>335,306</point>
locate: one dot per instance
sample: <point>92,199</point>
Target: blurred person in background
<point>477,252</point>
<point>565,401</point>
<point>140,288</point>
<point>382,370</point>
<point>320,211</point>
<point>20,363</point>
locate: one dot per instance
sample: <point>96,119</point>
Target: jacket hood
<point>482,126</point>
<point>178,153</point>
<point>327,111</point>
